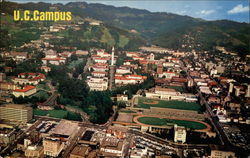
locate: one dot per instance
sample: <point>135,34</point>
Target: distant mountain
<point>102,36</point>
<point>163,29</point>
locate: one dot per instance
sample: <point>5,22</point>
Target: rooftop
<point>65,128</point>
<point>17,106</point>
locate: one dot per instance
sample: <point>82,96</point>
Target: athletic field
<point>197,125</point>
<point>173,104</point>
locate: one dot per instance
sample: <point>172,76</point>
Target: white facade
<point>98,84</point>
<point>24,92</point>
<point>180,134</point>
<point>122,71</point>
<point>167,75</point>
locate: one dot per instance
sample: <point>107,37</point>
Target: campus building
<point>16,112</point>
<point>180,134</point>
<point>25,91</point>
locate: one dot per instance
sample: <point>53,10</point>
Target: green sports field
<point>173,104</point>
<point>164,121</point>
<point>51,113</point>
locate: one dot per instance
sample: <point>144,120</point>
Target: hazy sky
<point>237,10</point>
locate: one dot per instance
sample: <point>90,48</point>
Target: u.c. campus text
<point>28,15</point>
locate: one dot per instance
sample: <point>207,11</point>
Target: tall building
<point>52,146</point>
<point>179,134</point>
<point>15,112</point>
<point>112,70</point>
<point>231,86</point>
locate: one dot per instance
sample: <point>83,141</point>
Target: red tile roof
<point>25,89</point>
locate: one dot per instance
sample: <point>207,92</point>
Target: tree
<point>73,57</point>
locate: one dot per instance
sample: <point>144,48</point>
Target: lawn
<point>41,94</point>
<point>173,104</point>
<point>43,86</point>
<point>51,113</point>
<point>163,121</point>
<point>62,114</point>
<point>127,111</point>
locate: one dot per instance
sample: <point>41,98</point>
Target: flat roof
<point>65,127</point>
<point>87,135</point>
<point>80,150</point>
<point>17,106</point>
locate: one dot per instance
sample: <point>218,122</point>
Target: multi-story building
<point>220,152</point>
<point>7,86</point>
<point>52,146</point>
<point>29,78</point>
<point>16,112</point>
<point>98,84</point>
<point>34,151</point>
<point>179,134</point>
<point>129,79</point>
<point>167,74</point>
<point>99,74</point>
<point>7,135</point>
<point>26,91</point>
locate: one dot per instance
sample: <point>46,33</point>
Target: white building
<point>129,79</point>
<point>167,74</point>
<point>26,91</point>
<point>123,70</point>
<point>180,134</point>
<point>98,84</point>
<point>99,74</point>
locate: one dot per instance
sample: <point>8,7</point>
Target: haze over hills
<point>163,29</point>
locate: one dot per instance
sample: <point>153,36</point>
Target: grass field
<point>163,121</point>
<point>127,111</point>
<point>43,86</point>
<point>173,104</point>
<point>51,113</point>
<point>42,94</point>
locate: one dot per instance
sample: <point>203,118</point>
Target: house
<point>18,56</point>
<point>101,59</point>
<point>123,70</point>
<point>52,58</point>
<point>82,52</point>
<point>167,74</point>
<point>132,54</point>
<point>53,61</point>
<point>25,91</point>
<point>45,68</point>
<point>121,97</point>
<point>99,74</point>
